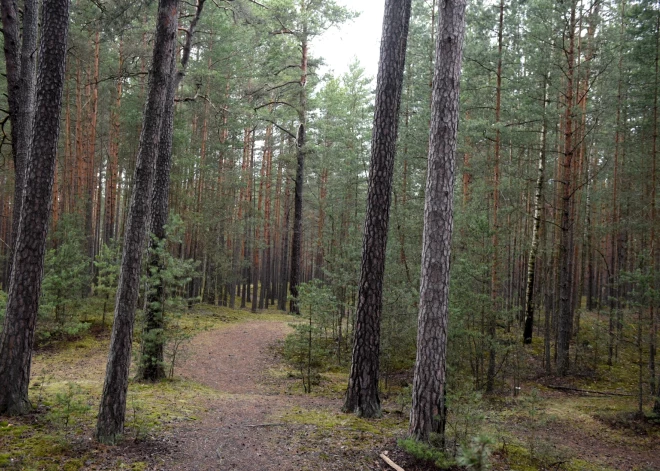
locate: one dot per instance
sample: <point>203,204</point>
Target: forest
<point>218,253</point>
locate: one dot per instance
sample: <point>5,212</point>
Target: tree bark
<point>112,410</point>
<point>20,63</point>
<point>494,282</point>
<point>112,171</point>
<point>428,409</point>
<point>151,366</point>
<point>566,242</point>
<point>362,393</point>
<point>17,338</point>
<point>538,207</point>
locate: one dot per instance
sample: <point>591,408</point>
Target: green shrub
<point>426,452</point>
<point>65,282</point>
<point>309,347</point>
<point>477,455</point>
<point>107,264</point>
<point>70,406</point>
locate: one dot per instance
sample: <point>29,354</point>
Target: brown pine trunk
<point>112,171</point>
<point>266,258</point>
<point>78,184</point>
<point>93,206</point>
<point>257,229</point>
<point>565,324</point>
<point>151,366</point>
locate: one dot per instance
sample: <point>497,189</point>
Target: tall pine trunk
<point>112,410</point>
<point>20,65</point>
<point>427,414</point>
<point>17,338</point>
<point>565,325</point>
<point>362,393</point>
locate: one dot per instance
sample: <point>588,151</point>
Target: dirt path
<point>248,426</point>
<point>241,430</point>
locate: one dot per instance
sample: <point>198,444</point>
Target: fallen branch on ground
<point>602,393</point>
<point>391,463</point>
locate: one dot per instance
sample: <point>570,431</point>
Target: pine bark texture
<point>112,410</point>
<point>362,393</point>
<point>429,381</point>
<point>20,60</point>
<point>17,338</point>
<point>151,366</point>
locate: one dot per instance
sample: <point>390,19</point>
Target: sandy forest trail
<point>251,422</point>
<point>242,429</point>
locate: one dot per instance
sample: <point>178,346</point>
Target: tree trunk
<point>428,406</point>
<point>296,242</point>
<point>654,254</point>
<point>20,64</point>
<point>566,243</point>
<point>362,393</point>
<point>151,366</point>
<point>494,283</point>
<point>17,337</point>
<point>112,410</point>
<point>112,171</point>
<point>538,207</point>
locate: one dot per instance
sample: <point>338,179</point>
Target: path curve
<point>241,430</point>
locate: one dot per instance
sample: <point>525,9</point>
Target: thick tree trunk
<point>427,412</point>
<point>362,393</point>
<point>112,410</point>
<point>17,337</point>
<point>20,63</point>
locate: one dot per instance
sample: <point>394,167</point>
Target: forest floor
<point>235,405</point>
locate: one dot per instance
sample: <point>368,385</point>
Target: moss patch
<point>66,387</point>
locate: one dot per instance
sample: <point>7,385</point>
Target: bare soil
<point>248,425</point>
<point>243,429</point>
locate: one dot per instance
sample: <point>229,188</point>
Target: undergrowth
<point>65,389</point>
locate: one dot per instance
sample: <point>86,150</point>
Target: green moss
<point>582,465</point>
<point>73,465</point>
<point>349,424</point>
<point>517,457</point>
<point>5,459</point>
